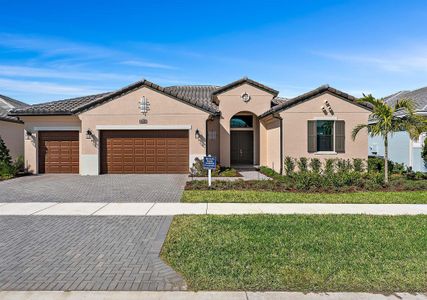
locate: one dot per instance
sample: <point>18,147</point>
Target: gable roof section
<point>418,96</point>
<point>14,104</point>
<point>310,95</point>
<point>195,96</point>
<point>243,81</point>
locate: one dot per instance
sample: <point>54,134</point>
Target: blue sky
<point>59,49</point>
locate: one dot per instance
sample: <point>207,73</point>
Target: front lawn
<point>230,196</point>
<point>300,253</point>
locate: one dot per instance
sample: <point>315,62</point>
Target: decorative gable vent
<point>144,105</point>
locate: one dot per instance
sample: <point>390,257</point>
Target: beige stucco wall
<point>295,127</point>
<point>213,138</point>
<point>270,143</point>
<point>231,103</point>
<point>13,135</point>
<point>164,110</point>
<point>34,124</point>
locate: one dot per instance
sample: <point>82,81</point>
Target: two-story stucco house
<point>146,128</point>
<point>11,128</point>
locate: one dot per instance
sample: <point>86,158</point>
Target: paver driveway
<point>104,188</point>
<point>84,253</point>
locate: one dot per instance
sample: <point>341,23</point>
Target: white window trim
<point>143,127</point>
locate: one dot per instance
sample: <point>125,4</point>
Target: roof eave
<point>314,93</point>
<point>55,113</point>
<point>11,120</point>
<point>248,81</point>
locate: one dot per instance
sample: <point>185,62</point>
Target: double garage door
<point>148,151</point>
<point>121,152</point>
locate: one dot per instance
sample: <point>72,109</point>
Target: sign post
<point>209,163</point>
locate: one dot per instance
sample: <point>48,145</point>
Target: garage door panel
<point>58,151</point>
<point>144,151</point>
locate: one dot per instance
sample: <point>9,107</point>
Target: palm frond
<point>357,129</point>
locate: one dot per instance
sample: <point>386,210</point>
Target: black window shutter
<point>340,136</point>
<point>311,136</point>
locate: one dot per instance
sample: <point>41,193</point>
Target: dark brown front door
<point>58,152</point>
<point>144,151</point>
<point>242,147</point>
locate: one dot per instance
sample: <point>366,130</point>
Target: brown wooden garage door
<point>145,151</point>
<point>58,152</point>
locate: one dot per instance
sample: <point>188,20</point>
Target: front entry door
<point>242,147</point>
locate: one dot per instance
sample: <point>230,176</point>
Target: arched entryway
<point>243,137</point>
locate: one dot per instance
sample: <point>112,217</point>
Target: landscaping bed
<point>315,184</point>
<point>230,196</point>
<point>377,254</point>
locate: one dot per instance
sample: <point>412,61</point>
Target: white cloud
<point>46,88</point>
<point>403,61</point>
<point>28,72</point>
<point>147,64</point>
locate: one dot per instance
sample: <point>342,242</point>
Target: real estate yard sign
<point>209,163</point>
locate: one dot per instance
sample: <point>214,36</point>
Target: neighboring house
<point>11,128</point>
<point>402,149</point>
<point>146,128</point>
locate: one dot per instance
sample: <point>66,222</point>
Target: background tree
<point>4,153</point>
<point>387,120</point>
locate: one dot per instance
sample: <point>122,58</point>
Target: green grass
<point>291,197</point>
<point>300,253</point>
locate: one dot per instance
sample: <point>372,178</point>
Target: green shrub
<point>6,170</point>
<point>376,164</point>
<point>289,165</point>
<point>19,164</point>
<point>343,165</point>
<point>376,177</point>
<point>329,166</point>
<point>4,153</point>
<point>315,165</point>
<point>226,172</point>
<point>358,165</point>
<point>302,164</point>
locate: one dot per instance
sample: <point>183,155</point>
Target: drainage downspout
<point>277,116</point>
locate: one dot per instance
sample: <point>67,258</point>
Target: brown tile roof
<point>197,96</point>
<point>309,95</point>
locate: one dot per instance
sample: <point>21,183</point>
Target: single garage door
<point>144,151</point>
<point>58,152</point>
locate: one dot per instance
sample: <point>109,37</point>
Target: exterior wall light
<point>88,134</point>
<point>28,134</point>
<point>197,133</point>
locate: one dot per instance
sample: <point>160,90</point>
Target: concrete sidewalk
<point>204,296</point>
<point>171,209</point>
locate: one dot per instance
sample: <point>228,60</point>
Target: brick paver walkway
<point>104,188</point>
<point>84,253</point>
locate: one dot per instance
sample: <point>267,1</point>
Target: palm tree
<point>389,119</point>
